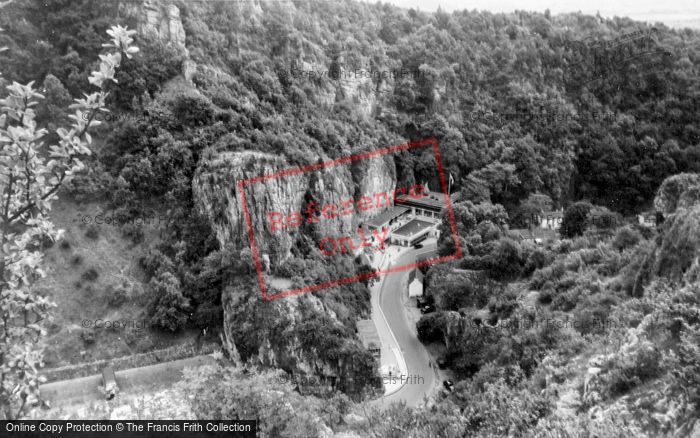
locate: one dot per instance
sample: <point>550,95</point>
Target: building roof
<point>433,200</point>
<point>381,219</point>
<point>367,332</point>
<point>413,227</point>
<point>415,286</point>
<point>415,274</point>
<point>552,214</point>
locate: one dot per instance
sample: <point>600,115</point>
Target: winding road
<point>421,378</point>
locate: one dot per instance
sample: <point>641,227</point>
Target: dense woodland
<point>559,152</point>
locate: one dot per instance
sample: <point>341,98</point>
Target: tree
<point>169,307</point>
<point>626,237</point>
<point>270,396</point>
<point>532,208</point>
<point>52,111</point>
<point>506,261</point>
<point>575,219</point>
<point>29,181</point>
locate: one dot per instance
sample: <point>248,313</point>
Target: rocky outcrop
<point>161,20</point>
<point>677,191</point>
<point>676,251</point>
<point>269,336</point>
<point>345,84</point>
<point>216,193</point>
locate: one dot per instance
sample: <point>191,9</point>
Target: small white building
<point>551,220</point>
<point>415,283</point>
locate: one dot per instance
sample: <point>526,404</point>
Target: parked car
<point>109,382</point>
<point>428,308</point>
<point>448,384</point>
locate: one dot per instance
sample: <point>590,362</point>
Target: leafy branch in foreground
<point>30,177</point>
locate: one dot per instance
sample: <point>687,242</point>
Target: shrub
<point>168,308</point>
<point>143,75</point>
<point>625,373</point>
<point>506,260</point>
<point>566,300</point>
<point>193,110</point>
<point>88,336</point>
<point>155,262</point>
<point>133,232</point>
<point>45,242</point>
<point>546,296</point>
<point>548,274</point>
<point>429,329</point>
<point>51,356</point>
<point>76,260</point>
<point>92,232</point>
<point>502,305</point>
<point>132,335</point>
<point>625,238</point>
<point>537,259</point>
<point>499,408</point>
<point>90,275</point>
<point>64,245</point>
<point>117,295</point>
<point>208,315</point>
<point>575,219</point>
<point>143,343</point>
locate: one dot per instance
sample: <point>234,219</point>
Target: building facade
<point>410,220</point>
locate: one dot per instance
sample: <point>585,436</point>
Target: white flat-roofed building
<point>429,206</point>
<point>391,219</point>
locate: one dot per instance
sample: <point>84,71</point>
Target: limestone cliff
<point>216,194</point>
<point>677,247</point>
<point>161,20</point>
<point>267,333</point>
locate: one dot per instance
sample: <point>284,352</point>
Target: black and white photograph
<point>349,218</point>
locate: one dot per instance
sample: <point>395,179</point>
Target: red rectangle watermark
<point>337,162</point>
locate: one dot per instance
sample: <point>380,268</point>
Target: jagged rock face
<point>215,189</point>
<point>347,84</point>
<point>680,245</point>
<point>273,326</point>
<point>676,253</point>
<point>189,68</point>
<point>216,193</point>
<point>677,191</point>
<point>162,21</point>
<point>374,175</point>
<point>357,88</point>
